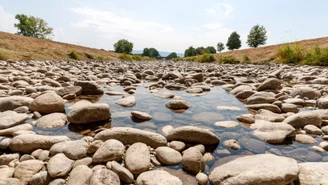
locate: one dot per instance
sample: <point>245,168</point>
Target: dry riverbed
<point>162,123</point>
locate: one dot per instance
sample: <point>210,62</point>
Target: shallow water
<point>203,113</point>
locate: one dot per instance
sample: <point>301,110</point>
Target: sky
<point>170,25</point>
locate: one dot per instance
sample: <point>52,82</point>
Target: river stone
<point>124,174</point>
<point>226,124</point>
<point>19,128</point>
<point>269,116</point>
<point>158,177</point>
<point>5,159</point>
<point>164,95</point>
<point>141,115</point>
<point>188,133</point>
<point>307,92</point>
<point>41,178</point>
<point>202,178</point>
<point>251,144</point>
<point>193,161</point>
<point>129,136</point>
<point>80,175</point>
<point>59,165</point>
<point>77,90</point>
<point>232,144</point>
<point>10,181</point>
<point>275,133</point>
<point>244,94</point>
<point>27,143</point>
<point>256,169</point>
<point>208,117</point>
<point>304,139</point>
<point>266,106</point>
<point>53,120</point>
<point>26,169</point>
<point>177,145</point>
<point>6,172</point>
<point>110,150</point>
<point>302,119</point>
<point>58,182</point>
<point>246,118</point>
<point>11,118</point>
<point>137,158</point>
<point>288,107</point>
<point>104,177</point>
<point>4,143</point>
<point>13,102</point>
<point>89,88</point>
<point>271,84</point>
<point>313,173</point>
<point>240,88</point>
<point>311,129</point>
<point>48,103</point>
<point>168,156</point>
<point>128,101</point>
<point>72,149</point>
<point>177,104</point>
<point>261,97</point>
<point>86,112</point>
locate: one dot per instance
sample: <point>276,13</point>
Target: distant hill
<point>162,53</point>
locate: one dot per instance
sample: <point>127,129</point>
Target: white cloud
<point>220,8</point>
<point>212,26</point>
<point>7,21</point>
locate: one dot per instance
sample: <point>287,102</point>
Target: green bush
<point>137,58</point>
<point>246,59</point>
<point>206,58</point>
<point>291,54</point>
<point>228,60</point>
<point>100,58</point>
<point>125,57</point>
<point>73,55</point>
<point>316,56</point>
<point>89,56</point>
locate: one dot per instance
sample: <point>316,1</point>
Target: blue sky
<point>170,25</point>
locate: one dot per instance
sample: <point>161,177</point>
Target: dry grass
<point>17,47</point>
<point>269,53</point>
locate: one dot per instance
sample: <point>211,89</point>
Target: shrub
<point>3,56</point>
<point>316,56</point>
<point>191,59</point>
<point>125,57</point>
<point>291,54</point>
<point>206,58</point>
<point>73,55</point>
<point>246,59</point>
<point>228,60</point>
<point>100,57</point>
<point>137,58</point>
<point>89,56</point>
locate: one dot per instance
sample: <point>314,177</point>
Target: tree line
<point>36,27</point>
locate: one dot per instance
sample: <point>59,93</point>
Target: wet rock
<point>48,103</point>
<point>13,102</point>
<point>208,117</point>
<point>313,173</point>
<point>188,133</point>
<point>157,177</point>
<point>59,165</point>
<point>271,84</point>
<point>26,169</point>
<point>177,104</point>
<point>275,132</point>
<point>114,93</point>
<point>232,144</point>
<point>128,101</point>
<point>251,144</point>
<point>141,115</point>
<point>79,175</point>
<point>307,92</point>
<point>218,82</point>
<point>53,120</point>
<point>304,118</point>
<point>226,124</point>
<point>165,95</point>
<point>221,107</point>
<point>194,90</point>
<point>269,116</point>
<point>246,118</point>
<point>104,177</point>
<point>304,139</point>
<point>253,169</point>
<point>89,88</point>
<point>168,156</point>
<point>27,143</point>
<point>124,174</point>
<point>11,118</point>
<point>193,161</point>
<point>129,136</point>
<point>110,150</point>
<point>270,107</point>
<point>84,112</point>
<point>72,149</point>
<point>137,158</point>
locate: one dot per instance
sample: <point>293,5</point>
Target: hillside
<point>269,53</point>
<point>17,47</point>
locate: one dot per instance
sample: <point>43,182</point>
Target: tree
<point>210,49</point>
<point>123,46</point>
<point>191,51</point>
<point>234,41</point>
<point>151,52</point>
<point>200,50</point>
<point>171,55</point>
<point>145,52</point>
<point>220,47</point>
<point>33,27</point>
<point>257,36</point>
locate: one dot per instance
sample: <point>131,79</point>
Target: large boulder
<point>188,133</point>
<point>137,158</point>
<point>256,169</point>
<point>313,173</point>
<point>305,92</point>
<point>86,112</point>
<point>129,136</point>
<point>53,120</point>
<point>11,118</point>
<point>13,102</point>
<point>158,177</point>
<point>27,143</point>
<point>89,88</point>
<point>48,103</point>
<point>302,119</point>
